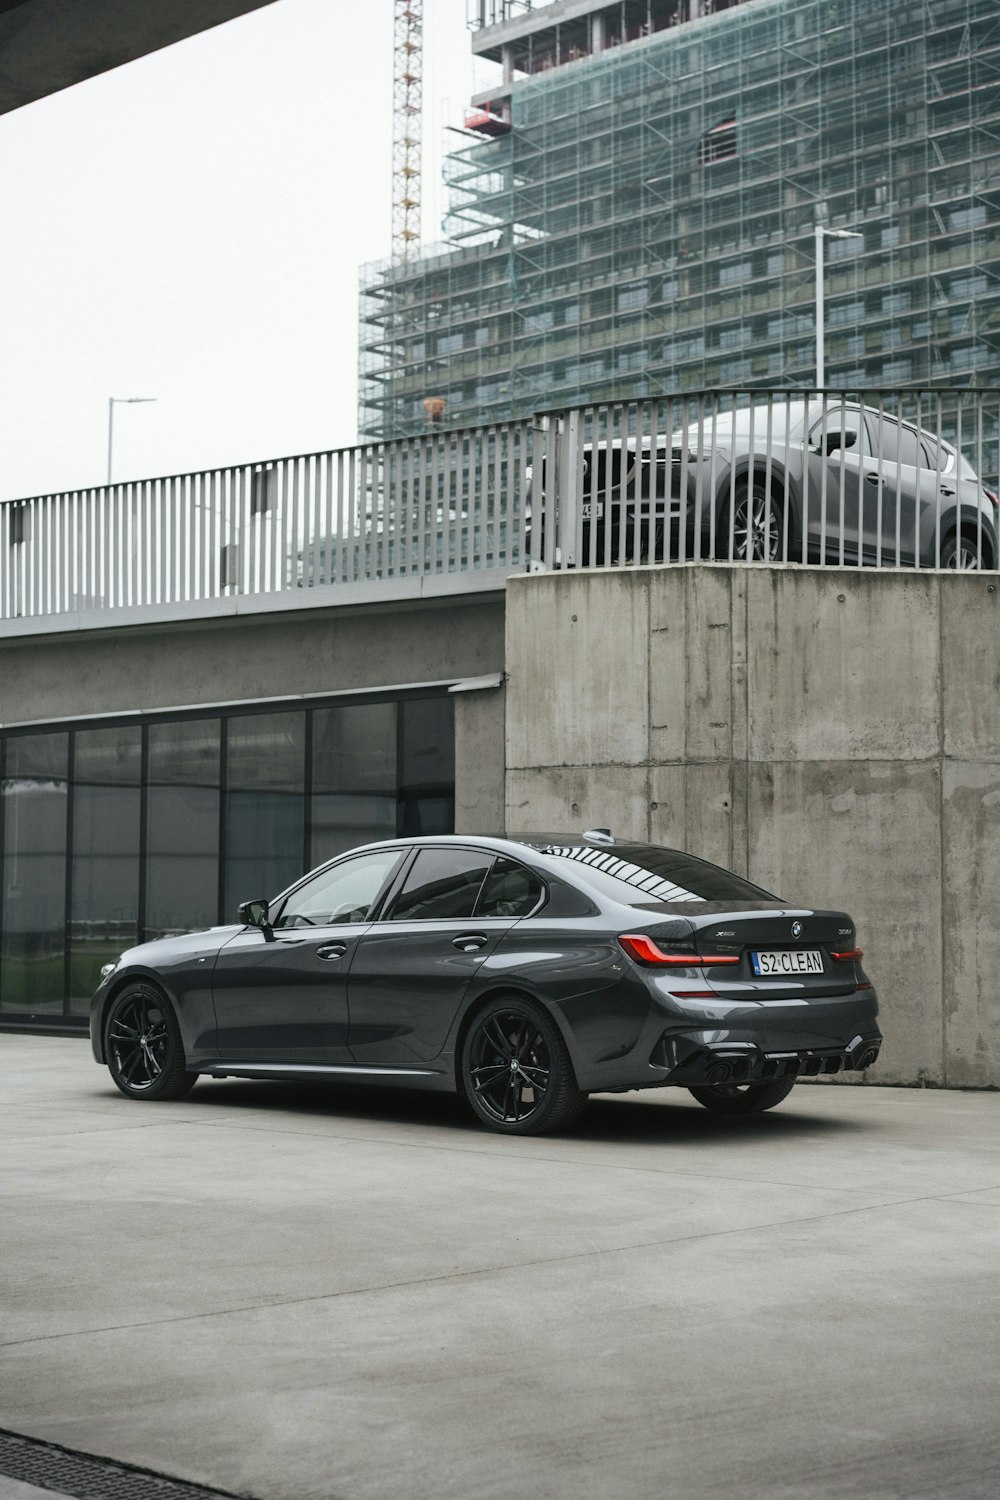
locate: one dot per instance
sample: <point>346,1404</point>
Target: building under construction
<point>633,210</point>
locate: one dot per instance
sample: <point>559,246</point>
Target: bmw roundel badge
<point>796,929</point>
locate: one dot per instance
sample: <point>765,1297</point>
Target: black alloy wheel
<point>743,1098</point>
<point>516,1071</point>
<point>143,1046</point>
<point>756,525</point>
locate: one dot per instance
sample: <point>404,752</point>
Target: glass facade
<point>647,224</point>
<point>112,835</point>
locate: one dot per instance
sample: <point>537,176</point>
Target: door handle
<point>470,941</point>
<point>332,950</point>
<point>873,478</point>
<point>947,492</point>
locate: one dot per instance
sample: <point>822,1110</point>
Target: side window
<point>909,449</point>
<point>442,883</point>
<point>509,891</point>
<point>934,457</point>
<point>849,423</point>
<point>343,893</point>
<point>886,440</point>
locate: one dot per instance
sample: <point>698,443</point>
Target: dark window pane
<point>182,827</point>
<point>354,777</point>
<point>265,806</point>
<point>184,754</point>
<point>427,769</point>
<point>266,752</point>
<point>443,883</point>
<point>34,874</point>
<point>343,893</point>
<point>263,846</point>
<point>354,748</point>
<point>108,757</point>
<point>510,891</point>
<point>343,822</point>
<point>104,910</point>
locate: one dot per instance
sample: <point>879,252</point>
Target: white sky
<point>190,227</point>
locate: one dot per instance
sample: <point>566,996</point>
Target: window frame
<point>374,911</point>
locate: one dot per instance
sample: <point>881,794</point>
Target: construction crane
<point>407,108</point>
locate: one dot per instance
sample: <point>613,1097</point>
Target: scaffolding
<point>648,223</point>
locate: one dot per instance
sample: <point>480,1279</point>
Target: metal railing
<point>445,503</point>
<point>886,478</point>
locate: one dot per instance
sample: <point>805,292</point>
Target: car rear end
<point>752,996</point>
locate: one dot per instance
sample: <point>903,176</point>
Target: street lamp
<point>834,234</point>
<point>114,401</point>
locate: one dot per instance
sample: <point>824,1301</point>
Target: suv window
<point>510,891</point>
<point>841,419</point>
<point>895,444</point>
<point>341,893</point>
<point>442,883</point>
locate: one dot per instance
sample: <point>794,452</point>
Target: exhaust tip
<point>719,1073</point>
<point>869,1056</point>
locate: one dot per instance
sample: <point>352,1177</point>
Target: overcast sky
<point>190,227</point>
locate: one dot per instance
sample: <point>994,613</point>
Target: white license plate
<point>593,510</point>
<point>788,961</point>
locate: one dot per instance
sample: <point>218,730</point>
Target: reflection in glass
<point>354,777</point>
<point>442,884</point>
<point>265,806</point>
<point>104,909</point>
<point>376,769</point>
<point>182,827</point>
<point>427,769</point>
<point>34,796</point>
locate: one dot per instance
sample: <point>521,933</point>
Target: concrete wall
<point>834,734</point>
<point>271,655</point>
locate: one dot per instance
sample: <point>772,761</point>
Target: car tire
<point>743,1098</point>
<point>756,526</point>
<point>143,1047</point>
<point>516,1071</point>
<point>961,553</point>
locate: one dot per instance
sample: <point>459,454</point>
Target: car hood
<point>168,950</point>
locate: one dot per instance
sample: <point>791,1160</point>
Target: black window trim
<point>382,911</point>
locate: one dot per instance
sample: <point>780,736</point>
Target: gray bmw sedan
<point>522,972</point>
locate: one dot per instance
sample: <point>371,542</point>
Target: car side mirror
<point>835,441</point>
<point>254,913</point>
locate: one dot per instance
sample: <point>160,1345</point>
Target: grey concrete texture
<point>314,1294</point>
<point>479,761</point>
<point>832,733</point>
<point>273,655</point>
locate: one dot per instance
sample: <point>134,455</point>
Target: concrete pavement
<point>303,1294</point>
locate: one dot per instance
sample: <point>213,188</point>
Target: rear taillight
<point>853,956</point>
<point>992,497</point>
<point>642,948</point>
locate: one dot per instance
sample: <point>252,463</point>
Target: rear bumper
<point>697,1057</point>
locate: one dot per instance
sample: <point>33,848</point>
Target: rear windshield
<point>645,870</point>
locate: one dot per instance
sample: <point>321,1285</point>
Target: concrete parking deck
<point>306,1294</point>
